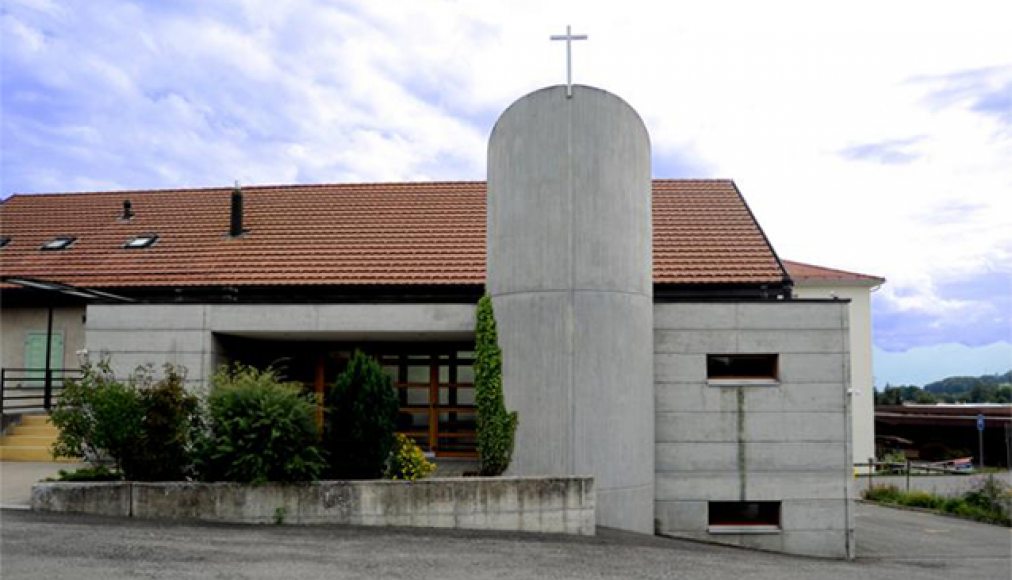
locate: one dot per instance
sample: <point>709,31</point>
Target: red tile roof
<point>384,233</point>
<point>801,272</point>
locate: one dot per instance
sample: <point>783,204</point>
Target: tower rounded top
<point>557,94</point>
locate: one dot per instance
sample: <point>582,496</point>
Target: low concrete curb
<point>563,505</point>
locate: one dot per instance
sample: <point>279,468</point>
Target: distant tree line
<point>995,388</point>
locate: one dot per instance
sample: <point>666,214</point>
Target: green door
<point>35,357</point>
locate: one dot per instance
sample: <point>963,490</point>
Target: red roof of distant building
<point>801,272</point>
<point>381,233</point>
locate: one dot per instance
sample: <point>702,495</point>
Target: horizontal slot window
<point>762,368</point>
<point>743,517</point>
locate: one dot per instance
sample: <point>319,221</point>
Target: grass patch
<point>97,473</point>
<point>990,502</point>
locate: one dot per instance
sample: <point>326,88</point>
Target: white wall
<point>862,382</point>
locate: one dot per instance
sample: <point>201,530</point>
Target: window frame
<point>764,379</point>
<point>763,523</point>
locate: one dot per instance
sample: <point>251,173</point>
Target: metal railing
<point>33,389</point>
<point>907,468</point>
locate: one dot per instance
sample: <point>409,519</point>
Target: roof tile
<point>378,233</point>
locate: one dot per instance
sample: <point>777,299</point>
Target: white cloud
<point>791,99</point>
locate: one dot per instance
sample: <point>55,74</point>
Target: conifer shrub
<point>496,427</point>
<point>164,451</point>
<point>361,412</point>
<point>258,430</point>
<point>407,461</point>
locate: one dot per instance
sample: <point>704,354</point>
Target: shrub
<point>171,417</point>
<point>361,413</point>
<point>99,418</point>
<point>142,426</point>
<point>882,493</point>
<point>258,430</point>
<point>496,427</point>
<point>407,461</point>
<point>989,502</point>
<point>993,498</point>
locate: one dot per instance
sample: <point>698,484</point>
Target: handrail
<point>904,468</point>
<point>51,386</point>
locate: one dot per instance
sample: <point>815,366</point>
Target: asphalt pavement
<point>891,544</point>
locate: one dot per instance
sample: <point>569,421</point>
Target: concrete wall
<point>17,322</point>
<point>787,441</point>
<point>861,373</point>
<point>569,272</point>
<point>563,505</point>
<point>185,334</point>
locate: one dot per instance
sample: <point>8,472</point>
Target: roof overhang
<point>66,290</point>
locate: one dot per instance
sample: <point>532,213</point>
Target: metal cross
<point>569,37</point>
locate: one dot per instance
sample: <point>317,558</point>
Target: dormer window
<point>4,240</point>
<point>141,241</point>
<point>58,243</point>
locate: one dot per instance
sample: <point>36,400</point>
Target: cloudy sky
<point>868,136</point>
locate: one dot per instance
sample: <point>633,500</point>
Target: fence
<point>32,389</point>
<point>907,468</point>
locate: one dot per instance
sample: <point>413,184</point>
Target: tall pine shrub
<point>496,426</point>
<point>361,416</point>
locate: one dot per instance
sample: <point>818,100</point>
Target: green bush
<point>99,418</point>
<point>407,461</point>
<point>142,426</point>
<point>989,502</point>
<point>993,498</point>
<point>496,427</point>
<point>171,418</point>
<point>258,430</point>
<point>361,414</point>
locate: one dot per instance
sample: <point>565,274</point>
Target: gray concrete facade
<point>187,334</point>
<point>569,272</point>
<point>785,441</point>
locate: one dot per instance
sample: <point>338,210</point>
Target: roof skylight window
<point>58,243</point>
<point>141,241</point>
<point>4,240</point>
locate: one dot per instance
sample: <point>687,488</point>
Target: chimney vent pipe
<point>128,211</point>
<point>236,226</point>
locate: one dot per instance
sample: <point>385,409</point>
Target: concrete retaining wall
<point>563,505</point>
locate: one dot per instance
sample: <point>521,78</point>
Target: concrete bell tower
<point>569,271</point>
